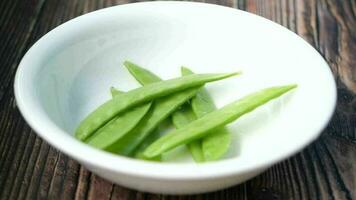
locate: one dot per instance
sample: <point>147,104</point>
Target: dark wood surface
<point>326,169</point>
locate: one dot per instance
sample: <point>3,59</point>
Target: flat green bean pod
<point>115,92</point>
<point>161,109</point>
<point>202,126</point>
<point>184,116</point>
<point>117,105</point>
<point>215,144</point>
<point>181,118</point>
<point>153,136</point>
<point>119,126</point>
<point>142,75</point>
<point>146,77</point>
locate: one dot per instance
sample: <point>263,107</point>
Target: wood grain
<point>31,169</point>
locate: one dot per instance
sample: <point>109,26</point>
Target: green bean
<point>181,118</point>
<point>145,143</point>
<point>114,92</point>
<point>162,108</point>
<point>218,118</point>
<point>146,77</point>
<point>216,144</point>
<point>153,136</point>
<point>119,126</point>
<point>142,75</point>
<point>184,116</point>
<point>115,106</point>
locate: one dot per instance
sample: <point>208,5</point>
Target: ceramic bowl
<point>69,71</point>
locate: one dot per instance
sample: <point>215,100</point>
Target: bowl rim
<point>188,171</point>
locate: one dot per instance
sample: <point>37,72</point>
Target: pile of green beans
<point>130,123</point>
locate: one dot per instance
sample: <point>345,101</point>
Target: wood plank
<point>83,184</point>
<point>99,188</point>
<point>345,16</point>
<point>14,34</point>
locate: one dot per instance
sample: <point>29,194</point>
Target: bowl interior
<point>79,61</point>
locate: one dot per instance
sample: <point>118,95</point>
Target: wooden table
<point>326,169</point>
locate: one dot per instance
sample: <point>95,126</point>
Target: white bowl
<point>68,72</point>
